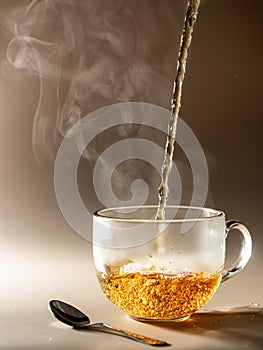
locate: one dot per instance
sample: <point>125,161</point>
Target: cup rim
<point>215,214</point>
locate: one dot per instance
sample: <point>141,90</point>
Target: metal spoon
<point>73,317</point>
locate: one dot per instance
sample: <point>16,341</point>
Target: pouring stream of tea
<point>186,38</point>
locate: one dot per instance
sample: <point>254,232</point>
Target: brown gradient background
<point>222,102</point>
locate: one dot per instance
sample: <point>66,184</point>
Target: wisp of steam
<point>89,54</point>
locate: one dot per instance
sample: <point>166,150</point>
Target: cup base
<point>159,320</point>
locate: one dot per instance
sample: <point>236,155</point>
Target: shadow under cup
<point>163,270</point>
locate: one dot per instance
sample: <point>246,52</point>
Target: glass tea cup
<point>163,270</point>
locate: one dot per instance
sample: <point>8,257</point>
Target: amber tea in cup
<point>163,269</point>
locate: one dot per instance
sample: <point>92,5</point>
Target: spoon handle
<point>131,335</point>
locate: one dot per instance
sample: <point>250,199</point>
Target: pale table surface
<point>233,319</point>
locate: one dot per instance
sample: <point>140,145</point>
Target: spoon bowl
<point>68,314</point>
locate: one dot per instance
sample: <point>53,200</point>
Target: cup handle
<point>245,251</point>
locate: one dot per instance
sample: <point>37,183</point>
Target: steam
<point>87,54</point>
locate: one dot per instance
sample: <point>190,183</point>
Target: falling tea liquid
<point>186,38</point>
